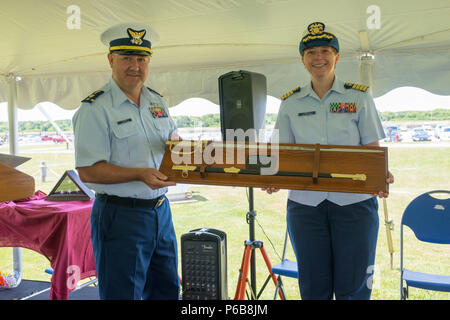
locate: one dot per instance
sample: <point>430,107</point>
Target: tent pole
<point>366,74</point>
<point>12,115</point>
<point>366,70</point>
<point>366,60</point>
<point>14,150</point>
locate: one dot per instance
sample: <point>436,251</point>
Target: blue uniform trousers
<point>135,251</point>
<point>334,247</point>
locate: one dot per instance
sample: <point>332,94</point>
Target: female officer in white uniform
<point>334,235</point>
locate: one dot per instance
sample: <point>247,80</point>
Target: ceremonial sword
<point>185,169</point>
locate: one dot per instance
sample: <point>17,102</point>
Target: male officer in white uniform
<point>120,134</point>
<point>333,234</point>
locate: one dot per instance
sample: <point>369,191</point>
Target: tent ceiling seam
<point>412,40</point>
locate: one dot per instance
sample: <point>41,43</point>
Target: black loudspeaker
<point>204,264</point>
<point>243,97</point>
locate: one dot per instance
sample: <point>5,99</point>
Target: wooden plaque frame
<point>14,185</point>
<point>334,168</point>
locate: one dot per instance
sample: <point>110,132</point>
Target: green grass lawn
<point>416,170</point>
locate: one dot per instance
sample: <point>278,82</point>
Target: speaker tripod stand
<point>248,261</point>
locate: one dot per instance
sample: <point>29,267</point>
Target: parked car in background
<point>3,139</point>
<point>392,134</point>
<point>445,134</point>
<point>60,139</point>
<point>419,134</point>
<point>46,138</point>
<point>439,129</point>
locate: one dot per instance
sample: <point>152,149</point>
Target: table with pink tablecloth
<point>58,230</point>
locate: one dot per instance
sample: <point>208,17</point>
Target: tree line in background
<point>213,120</point>
<point>434,115</point>
<point>38,126</point>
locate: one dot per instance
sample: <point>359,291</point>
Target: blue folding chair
<point>285,268</point>
<point>429,218</point>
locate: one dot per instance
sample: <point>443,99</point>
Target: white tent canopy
<point>201,39</point>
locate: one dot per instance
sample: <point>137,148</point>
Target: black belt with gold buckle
<point>132,202</point>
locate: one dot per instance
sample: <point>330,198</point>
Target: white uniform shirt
<point>112,128</point>
<point>304,118</point>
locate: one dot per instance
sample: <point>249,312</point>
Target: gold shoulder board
<point>290,93</point>
<point>94,95</point>
<point>360,87</point>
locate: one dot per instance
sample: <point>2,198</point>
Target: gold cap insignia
<point>316,28</point>
<point>136,36</point>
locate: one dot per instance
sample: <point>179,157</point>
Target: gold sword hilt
<point>184,169</point>
<point>357,176</point>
